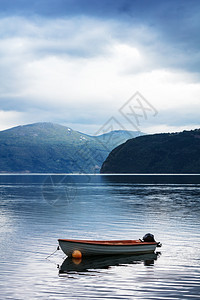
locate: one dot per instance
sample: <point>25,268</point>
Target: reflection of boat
<point>117,247</point>
<point>104,262</point>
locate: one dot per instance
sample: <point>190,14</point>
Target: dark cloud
<point>154,12</point>
<point>51,40</point>
<point>175,23</point>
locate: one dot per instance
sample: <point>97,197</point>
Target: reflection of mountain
<point>158,153</point>
<point>152,178</point>
<point>47,147</point>
<point>104,262</point>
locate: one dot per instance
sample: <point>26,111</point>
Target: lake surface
<point>37,210</point>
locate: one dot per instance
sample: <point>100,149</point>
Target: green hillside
<point>48,147</point>
<point>158,153</point>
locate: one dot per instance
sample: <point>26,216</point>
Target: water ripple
<point>29,228</point>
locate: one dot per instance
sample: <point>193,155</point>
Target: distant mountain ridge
<point>117,137</point>
<point>53,148</point>
<point>157,153</point>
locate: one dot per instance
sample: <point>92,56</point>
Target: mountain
<point>158,153</point>
<point>116,137</point>
<point>53,148</point>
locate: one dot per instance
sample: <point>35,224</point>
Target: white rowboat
<point>90,247</point>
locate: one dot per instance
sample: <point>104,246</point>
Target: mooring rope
<point>58,248</point>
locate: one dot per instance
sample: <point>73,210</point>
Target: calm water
<point>37,210</point>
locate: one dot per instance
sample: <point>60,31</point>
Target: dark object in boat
<point>148,237</point>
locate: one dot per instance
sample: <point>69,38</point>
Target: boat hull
<point>101,248</point>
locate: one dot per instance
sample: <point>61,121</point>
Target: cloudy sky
<point>80,63</point>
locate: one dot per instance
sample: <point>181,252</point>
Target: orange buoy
<point>76,254</point>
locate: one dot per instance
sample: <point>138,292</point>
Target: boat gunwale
<point>109,243</point>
